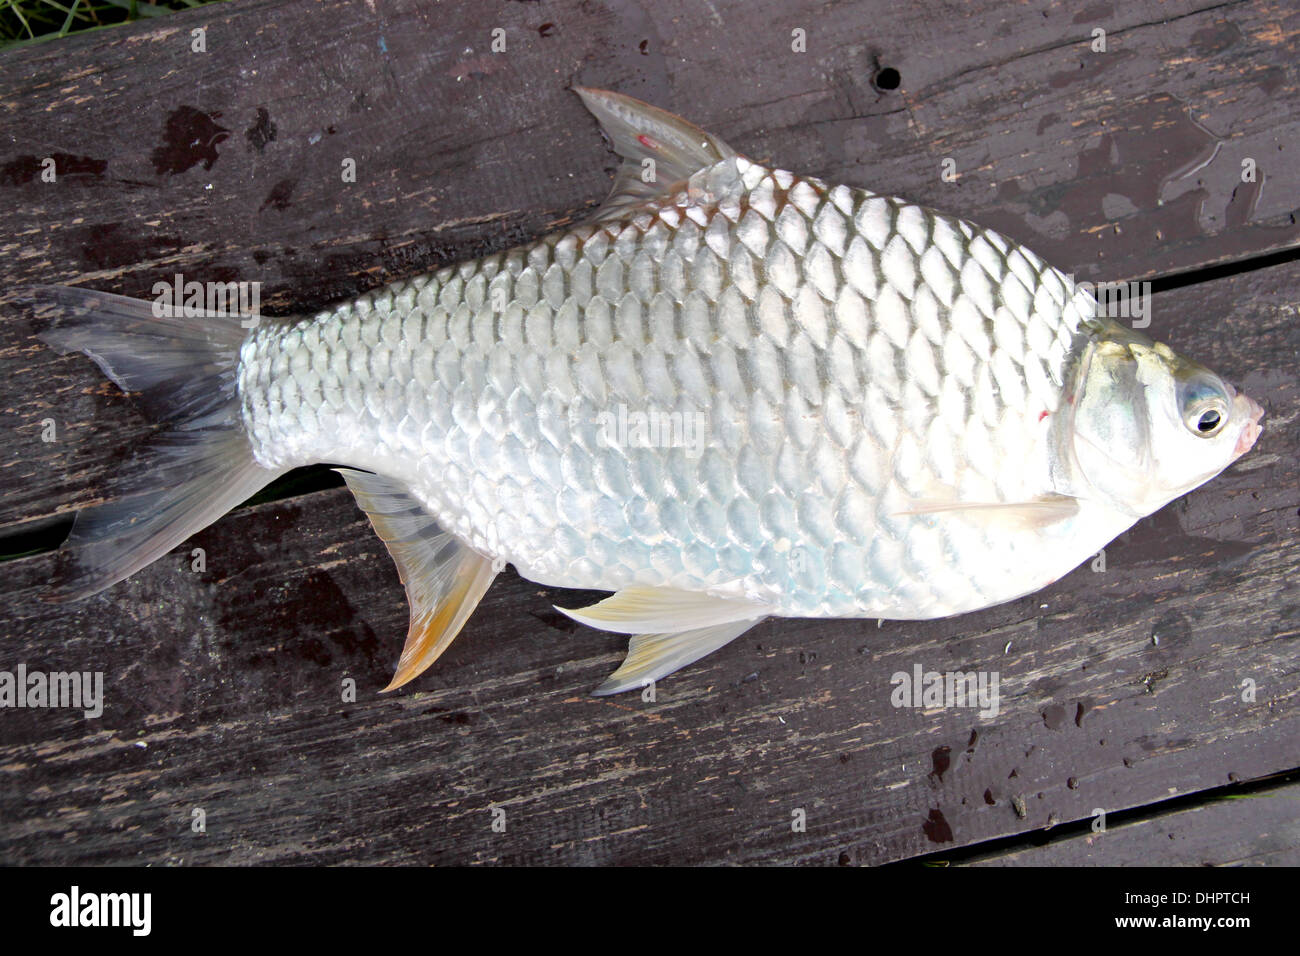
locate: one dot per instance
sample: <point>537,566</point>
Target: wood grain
<point>224,692</point>
<point>1257,829</point>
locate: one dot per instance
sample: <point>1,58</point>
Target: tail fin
<point>179,480</point>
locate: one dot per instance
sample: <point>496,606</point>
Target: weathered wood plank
<point>1257,829</point>
<point>232,677</point>
<point>226,165</point>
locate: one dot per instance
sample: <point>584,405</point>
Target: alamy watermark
<point>75,689</point>
<point>653,429</point>
<point>933,690</point>
<point>195,299</point>
<point>133,911</point>
<point>1121,300</point>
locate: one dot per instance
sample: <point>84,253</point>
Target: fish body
<point>736,393</point>
<point>841,354</point>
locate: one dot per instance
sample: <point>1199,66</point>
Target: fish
<point>733,393</point>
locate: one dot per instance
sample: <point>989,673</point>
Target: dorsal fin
<point>444,578</point>
<point>639,132</point>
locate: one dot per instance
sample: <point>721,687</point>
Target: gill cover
<point>1150,425</point>
<point>1111,427</point>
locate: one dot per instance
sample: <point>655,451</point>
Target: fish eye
<point>1205,408</point>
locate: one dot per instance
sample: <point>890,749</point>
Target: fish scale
<point>804,322</point>
<point>735,393</point>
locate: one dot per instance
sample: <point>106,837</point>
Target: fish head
<point>1150,425</point>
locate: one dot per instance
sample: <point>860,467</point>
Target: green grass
<point>33,21</point>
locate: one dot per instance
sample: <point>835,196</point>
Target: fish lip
<point>1251,429</point>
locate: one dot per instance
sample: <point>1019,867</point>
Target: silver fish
<point>735,393</point>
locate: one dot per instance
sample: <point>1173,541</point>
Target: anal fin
<point>444,578</point>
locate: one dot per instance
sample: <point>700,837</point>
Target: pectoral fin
<point>642,132</point>
<point>644,610</point>
<point>444,579</point>
<point>652,656</point>
<point>1035,513</point>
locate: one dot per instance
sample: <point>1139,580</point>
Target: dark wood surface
<point>1120,689</point>
<point>1253,829</point>
<point>1085,157</point>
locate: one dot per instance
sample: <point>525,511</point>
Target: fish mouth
<point>1251,430</point>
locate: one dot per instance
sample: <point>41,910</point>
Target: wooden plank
<point>223,692</point>
<point>226,165</point>
<point>1258,829</point>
